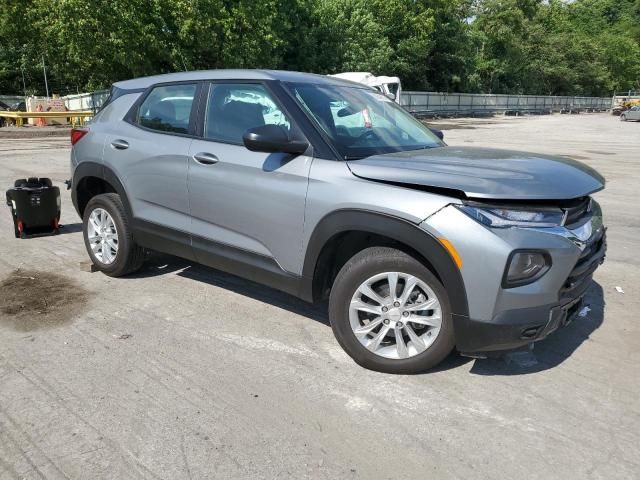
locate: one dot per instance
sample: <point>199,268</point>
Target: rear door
<point>250,201</point>
<point>149,152</point>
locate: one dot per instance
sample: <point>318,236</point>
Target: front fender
<point>398,229</point>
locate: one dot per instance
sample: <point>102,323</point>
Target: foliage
<point>556,47</point>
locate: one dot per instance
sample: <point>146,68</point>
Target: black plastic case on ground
<point>35,207</point>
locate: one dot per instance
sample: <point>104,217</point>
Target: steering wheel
<point>369,134</point>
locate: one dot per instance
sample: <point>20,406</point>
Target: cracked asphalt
<point>181,371</point>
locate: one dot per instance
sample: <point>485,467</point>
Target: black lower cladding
<point>512,329</point>
<point>266,270</point>
<point>243,263</point>
<point>516,328</point>
<point>509,330</point>
<point>403,231</point>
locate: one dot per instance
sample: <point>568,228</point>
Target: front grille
<point>591,257</point>
<point>576,211</point>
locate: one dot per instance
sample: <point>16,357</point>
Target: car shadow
<point>547,353</point>
<point>70,228</point>
<point>276,160</point>
<point>553,350</point>
<point>161,264</point>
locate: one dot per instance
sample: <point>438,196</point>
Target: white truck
<point>390,86</point>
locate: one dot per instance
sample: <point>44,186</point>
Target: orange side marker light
<point>452,251</point>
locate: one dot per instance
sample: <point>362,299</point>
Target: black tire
<point>130,256</point>
<point>364,265</point>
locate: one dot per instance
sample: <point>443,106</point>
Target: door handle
<point>120,144</point>
<point>204,158</point>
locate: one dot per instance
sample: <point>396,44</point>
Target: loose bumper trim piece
<point>592,256</point>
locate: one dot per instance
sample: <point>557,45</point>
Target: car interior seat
<point>229,120</point>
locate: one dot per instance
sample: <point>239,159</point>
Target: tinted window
<point>168,108</point>
<point>232,109</point>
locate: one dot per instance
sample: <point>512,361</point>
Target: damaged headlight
<point>500,217</point>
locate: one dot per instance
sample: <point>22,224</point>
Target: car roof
<point>223,74</point>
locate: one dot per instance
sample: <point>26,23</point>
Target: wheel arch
<point>91,179</point>
<point>345,232</point>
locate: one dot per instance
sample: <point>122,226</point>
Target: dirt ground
<point>29,131</point>
<point>31,299</point>
<point>184,372</point>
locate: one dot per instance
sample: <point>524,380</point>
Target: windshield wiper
<point>355,157</point>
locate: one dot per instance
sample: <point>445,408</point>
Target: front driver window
<point>232,109</point>
<point>168,108</point>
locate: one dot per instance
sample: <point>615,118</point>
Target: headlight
<point>524,267</point>
<point>510,217</point>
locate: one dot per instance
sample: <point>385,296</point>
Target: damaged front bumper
<point>509,318</point>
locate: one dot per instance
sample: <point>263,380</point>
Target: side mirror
<point>272,139</point>
<point>391,96</point>
<point>437,133</point>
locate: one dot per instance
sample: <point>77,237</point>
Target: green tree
<point>587,47</point>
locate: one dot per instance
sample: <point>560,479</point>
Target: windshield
<point>361,122</point>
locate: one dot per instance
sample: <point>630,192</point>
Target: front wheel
<point>108,236</point>
<point>390,313</point>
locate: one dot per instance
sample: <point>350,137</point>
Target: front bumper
<point>505,319</point>
<point>513,329</point>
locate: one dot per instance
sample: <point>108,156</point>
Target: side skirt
<point>245,264</point>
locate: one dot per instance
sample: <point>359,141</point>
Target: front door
<point>250,202</point>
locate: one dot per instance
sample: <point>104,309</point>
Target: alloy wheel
<point>103,236</point>
<point>395,315</point>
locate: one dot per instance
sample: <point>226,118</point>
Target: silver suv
<point>328,190</point>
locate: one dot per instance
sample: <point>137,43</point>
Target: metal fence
<point>427,103</point>
<point>436,103</point>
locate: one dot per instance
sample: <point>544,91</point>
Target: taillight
<point>77,134</point>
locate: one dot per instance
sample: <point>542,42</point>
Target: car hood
<point>484,173</point>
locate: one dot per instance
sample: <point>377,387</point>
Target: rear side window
<point>232,109</point>
<point>168,108</point>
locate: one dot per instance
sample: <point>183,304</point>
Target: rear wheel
<point>108,236</point>
<point>390,313</point>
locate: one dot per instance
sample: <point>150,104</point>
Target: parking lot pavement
<point>184,372</point>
